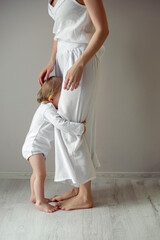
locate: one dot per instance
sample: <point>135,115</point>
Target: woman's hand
<point>45,72</point>
<point>73,76</point>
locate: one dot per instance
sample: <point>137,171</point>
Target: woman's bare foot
<point>77,202</point>
<point>45,207</point>
<point>33,199</point>
<point>66,195</point>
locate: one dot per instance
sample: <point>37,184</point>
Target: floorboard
<point>124,209</point>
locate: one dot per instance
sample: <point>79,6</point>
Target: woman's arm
<point>50,66</point>
<point>98,16</point>
<point>53,117</point>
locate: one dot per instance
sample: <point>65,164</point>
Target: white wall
<point>128,101</point>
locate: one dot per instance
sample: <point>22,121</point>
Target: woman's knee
<point>65,109</point>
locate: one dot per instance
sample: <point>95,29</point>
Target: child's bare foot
<point>33,199</point>
<point>45,207</point>
<point>66,195</point>
<point>77,202</point>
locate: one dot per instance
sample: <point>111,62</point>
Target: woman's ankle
<point>75,190</point>
<point>85,191</point>
<point>85,196</point>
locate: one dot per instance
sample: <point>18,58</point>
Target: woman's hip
<point>74,105</point>
<point>63,46</point>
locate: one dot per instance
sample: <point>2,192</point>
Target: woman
<point>80,28</point>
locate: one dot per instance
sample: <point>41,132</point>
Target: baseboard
<point>50,175</point>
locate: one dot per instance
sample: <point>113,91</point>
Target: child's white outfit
<point>73,29</point>
<point>41,132</point>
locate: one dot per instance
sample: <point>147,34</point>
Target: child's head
<point>50,89</point>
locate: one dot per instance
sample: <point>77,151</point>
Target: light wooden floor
<point>124,209</point>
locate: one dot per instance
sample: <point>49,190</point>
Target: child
<point>41,133</point>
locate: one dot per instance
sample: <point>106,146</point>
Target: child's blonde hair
<point>50,87</point>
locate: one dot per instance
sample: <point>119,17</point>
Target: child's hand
<point>84,122</point>
<point>84,129</point>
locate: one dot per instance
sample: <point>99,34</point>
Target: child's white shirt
<point>41,131</point>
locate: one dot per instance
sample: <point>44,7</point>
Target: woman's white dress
<point>75,156</point>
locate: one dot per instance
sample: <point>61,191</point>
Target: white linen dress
<point>75,157</point>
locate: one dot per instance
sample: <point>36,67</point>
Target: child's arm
<point>53,117</point>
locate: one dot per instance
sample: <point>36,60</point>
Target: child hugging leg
<point>41,134</point>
